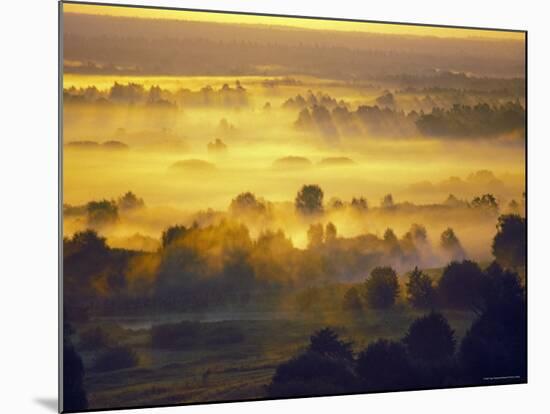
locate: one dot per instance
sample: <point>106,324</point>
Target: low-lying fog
<point>189,152</point>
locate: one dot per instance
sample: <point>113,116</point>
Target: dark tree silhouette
<point>420,290</point>
<point>390,237</point>
<point>460,285</point>
<point>486,201</point>
<point>496,344</point>
<point>312,373</point>
<point>466,121</point>
<point>384,365</point>
<point>500,286</point>
<point>74,394</point>
<point>387,201</point>
<point>85,255</point>
<point>327,342</point>
<point>452,201</point>
<point>352,300</point>
<point>130,201</point>
<point>392,243</point>
<point>101,212</point>
<point>430,338</point>
<point>510,242</point>
<point>387,99</point>
<point>217,146</point>
<point>336,203</point>
<point>315,235</point>
<point>417,234</point>
<point>381,288</point>
<point>247,203</point>
<point>172,234</point>
<point>309,200</point>
<point>87,242</point>
<point>330,232</point>
<point>359,204</point>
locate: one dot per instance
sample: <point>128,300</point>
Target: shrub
<point>310,374</point>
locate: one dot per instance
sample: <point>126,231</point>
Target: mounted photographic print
<point>259,207</point>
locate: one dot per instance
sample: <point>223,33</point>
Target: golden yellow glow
<point>298,23</point>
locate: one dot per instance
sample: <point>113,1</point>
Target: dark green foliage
<point>460,285</point>
<point>381,288</point>
<point>510,242</point>
<point>116,358</point>
<point>384,365</point>
<point>327,342</point>
<point>430,338</point>
<point>309,200</point>
<point>420,290</point>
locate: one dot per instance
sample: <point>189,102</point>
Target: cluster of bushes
<point>481,120</point>
<point>310,201</point>
<point>463,285</point>
<point>135,93</point>
<point>332,120</point>
<point>311,100</point>
<point>373,120</point>
<point>104,212</point>
<point>428,355</point>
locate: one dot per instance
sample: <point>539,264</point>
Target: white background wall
<point>28,190</point>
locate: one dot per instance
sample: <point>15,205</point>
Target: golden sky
<point>317,24</point>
